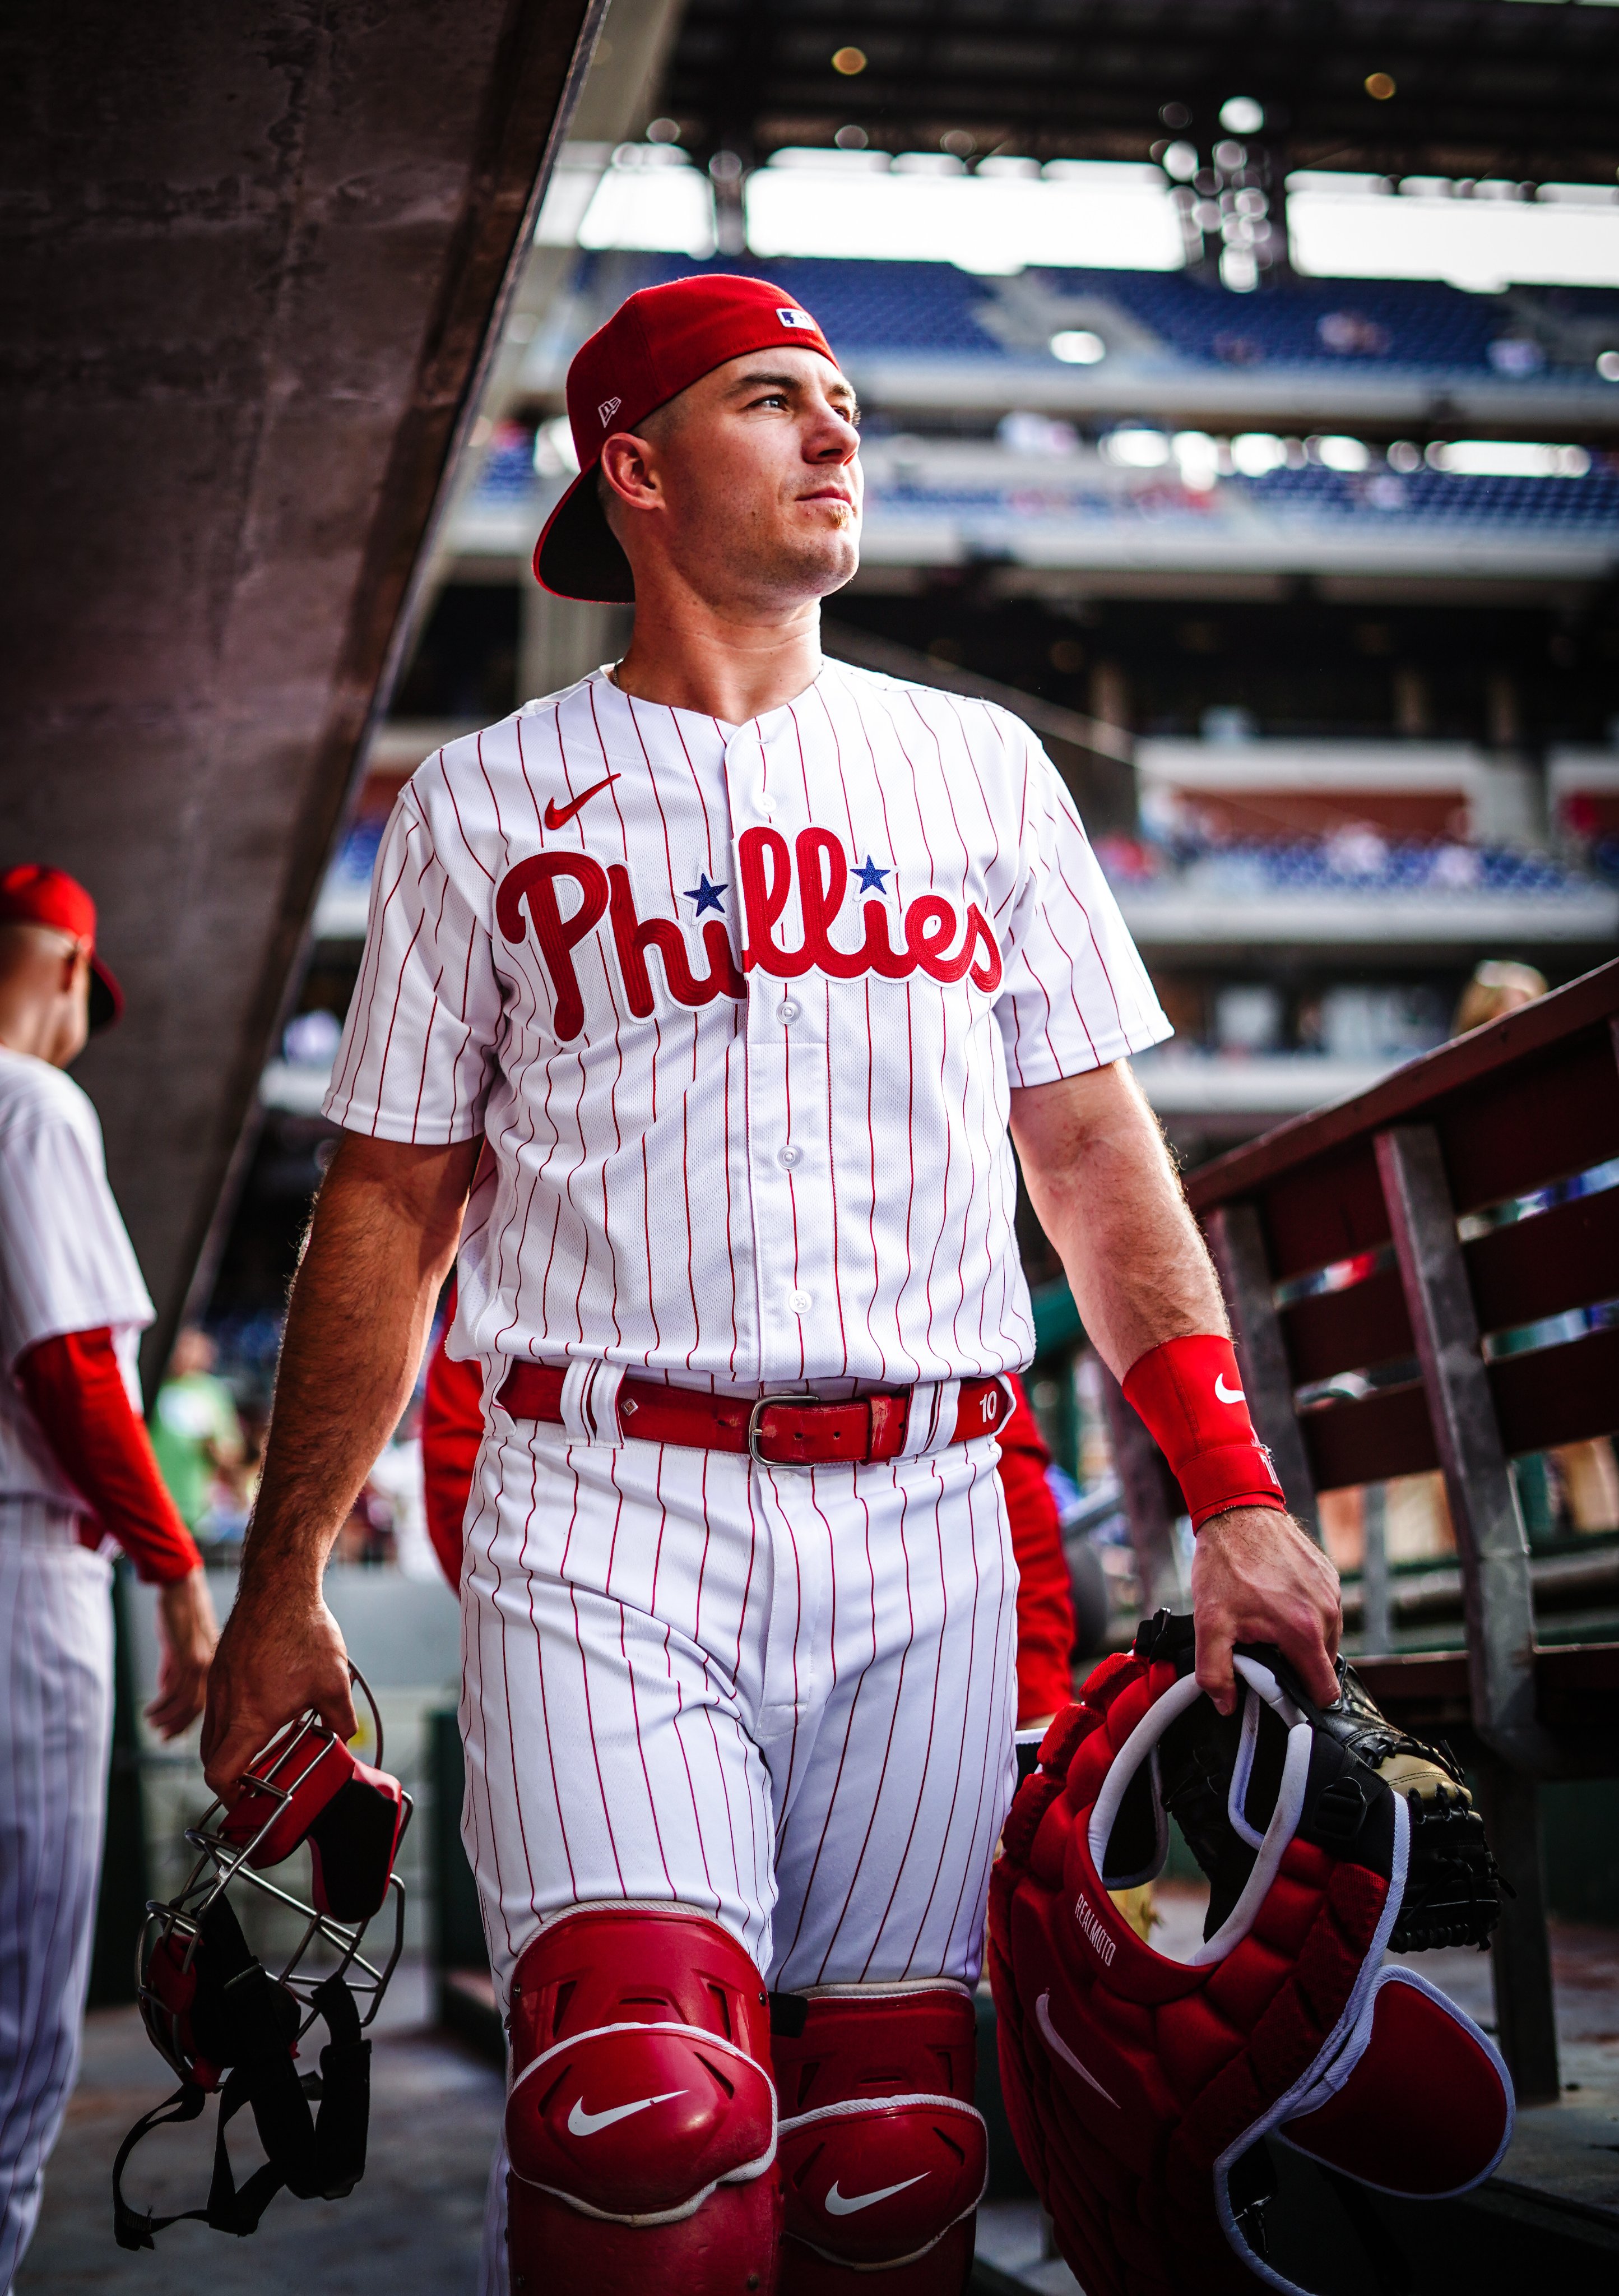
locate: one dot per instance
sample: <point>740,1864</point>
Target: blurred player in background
<point>196,1432</point>
<point>77,1471</point>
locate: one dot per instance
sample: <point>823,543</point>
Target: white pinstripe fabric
<point>800,1172</point>
<point>55,1726</point>
<point>739,1010</point>
<point>66,1261</point>
<point>783,1699</point>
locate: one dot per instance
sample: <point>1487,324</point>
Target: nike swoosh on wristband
<point>581,2123</point>
<point>836,2205</point>
<point>558,816</point>
<point>1227,1394</point>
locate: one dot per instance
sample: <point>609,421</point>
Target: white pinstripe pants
<point>782,1697</point>
<point>55,1725</point>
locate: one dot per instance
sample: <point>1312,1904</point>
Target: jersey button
<point>787,1012</point>
<point>800,1303</point>
<point>788,1157</point>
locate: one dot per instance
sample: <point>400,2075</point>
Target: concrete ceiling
<point>255,256</point>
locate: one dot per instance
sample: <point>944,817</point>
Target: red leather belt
<point>779,1431</point>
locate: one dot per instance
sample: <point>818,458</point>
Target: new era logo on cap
<point>791,318</point>
<point>607,409</point>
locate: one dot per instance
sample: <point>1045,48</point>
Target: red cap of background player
<point>654,347</point>
<point>33,895</point>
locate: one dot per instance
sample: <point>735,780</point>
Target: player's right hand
<point>276,1658</point>
<point>1258,1577</point>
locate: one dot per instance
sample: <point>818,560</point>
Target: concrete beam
<point>256,256</point>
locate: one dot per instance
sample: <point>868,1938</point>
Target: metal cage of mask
<point>225,2021</point>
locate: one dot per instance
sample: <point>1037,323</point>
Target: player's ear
<point>629,472</point>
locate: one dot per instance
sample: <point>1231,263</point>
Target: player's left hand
<point>188,1632</point>
<point>1258,1578</point>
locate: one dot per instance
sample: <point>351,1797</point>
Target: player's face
<point>753,481</point>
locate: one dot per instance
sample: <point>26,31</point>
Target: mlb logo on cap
<point>792,318</point>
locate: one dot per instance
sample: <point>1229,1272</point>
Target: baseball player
<point>749,966</point>
<point>75,1470</point>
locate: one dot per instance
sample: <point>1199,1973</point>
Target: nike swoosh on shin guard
<point>839,2205</point>
<point>581,2123</point>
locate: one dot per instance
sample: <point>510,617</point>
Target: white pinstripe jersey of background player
<point>76,1468</point>
<point>739,1009</point>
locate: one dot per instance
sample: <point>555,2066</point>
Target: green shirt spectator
<point>195,1431</point>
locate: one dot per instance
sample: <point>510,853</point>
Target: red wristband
<point>1188,1394</point>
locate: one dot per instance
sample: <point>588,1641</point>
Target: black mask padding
<point>351,1845</point>
<point>1133,1846</point>
<point>237,2000</point>
<point>1264,1779</point>
<point>1196,1755</point>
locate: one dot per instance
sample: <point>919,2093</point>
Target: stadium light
<point>1077,347</point>
<point>1508,458</point>
<point>1339,453</point>
<point>1255,452</point>
<point>1199,457</point>
<point>1136,449</point>
<point>1242,115</point>
<point>1607,365</point>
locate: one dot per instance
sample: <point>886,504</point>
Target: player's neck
<point>731,670</point>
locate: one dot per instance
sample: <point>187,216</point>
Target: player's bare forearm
<point>384,1234</point>
<point>1099,1178</point>
<point>1101,1181</point>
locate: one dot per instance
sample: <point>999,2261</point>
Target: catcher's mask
<point>1141,2088</point>
<point>226,2021</point>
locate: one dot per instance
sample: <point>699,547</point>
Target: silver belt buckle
<point>764,1403</point>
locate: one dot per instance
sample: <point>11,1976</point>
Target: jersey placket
<point>786,1088</point>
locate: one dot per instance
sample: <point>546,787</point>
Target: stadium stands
<point>1401,326</point>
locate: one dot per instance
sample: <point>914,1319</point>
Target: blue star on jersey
<point>706,896</point>
<point>872,879</point>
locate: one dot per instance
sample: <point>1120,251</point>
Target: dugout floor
<point>412,2228</point>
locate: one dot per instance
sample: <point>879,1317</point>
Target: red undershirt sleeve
<point>452,1428</point>
<point>1045,1607</point>
<point>76,1391</point>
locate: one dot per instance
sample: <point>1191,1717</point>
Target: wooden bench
<point>1374,1190</point>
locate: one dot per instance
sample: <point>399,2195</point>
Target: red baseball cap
<point>656,345</point>
<point>33,895</point>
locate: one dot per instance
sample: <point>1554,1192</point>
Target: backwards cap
<point>656,345</point>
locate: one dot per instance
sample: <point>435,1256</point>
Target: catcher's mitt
<point>1452,1893</point>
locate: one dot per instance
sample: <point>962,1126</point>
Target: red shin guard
<point>1189,1396</point>
<point>640,2121</point>
<point>883,2155</point>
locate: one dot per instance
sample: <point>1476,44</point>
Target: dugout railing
<point>1386,1262</point>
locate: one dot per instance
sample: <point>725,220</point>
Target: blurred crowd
<point>208,1433</point>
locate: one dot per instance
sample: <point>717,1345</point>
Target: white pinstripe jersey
<point>738,1008</point>
<point>66,1260</point>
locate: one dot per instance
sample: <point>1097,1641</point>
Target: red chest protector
<point>1138,2087</point>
